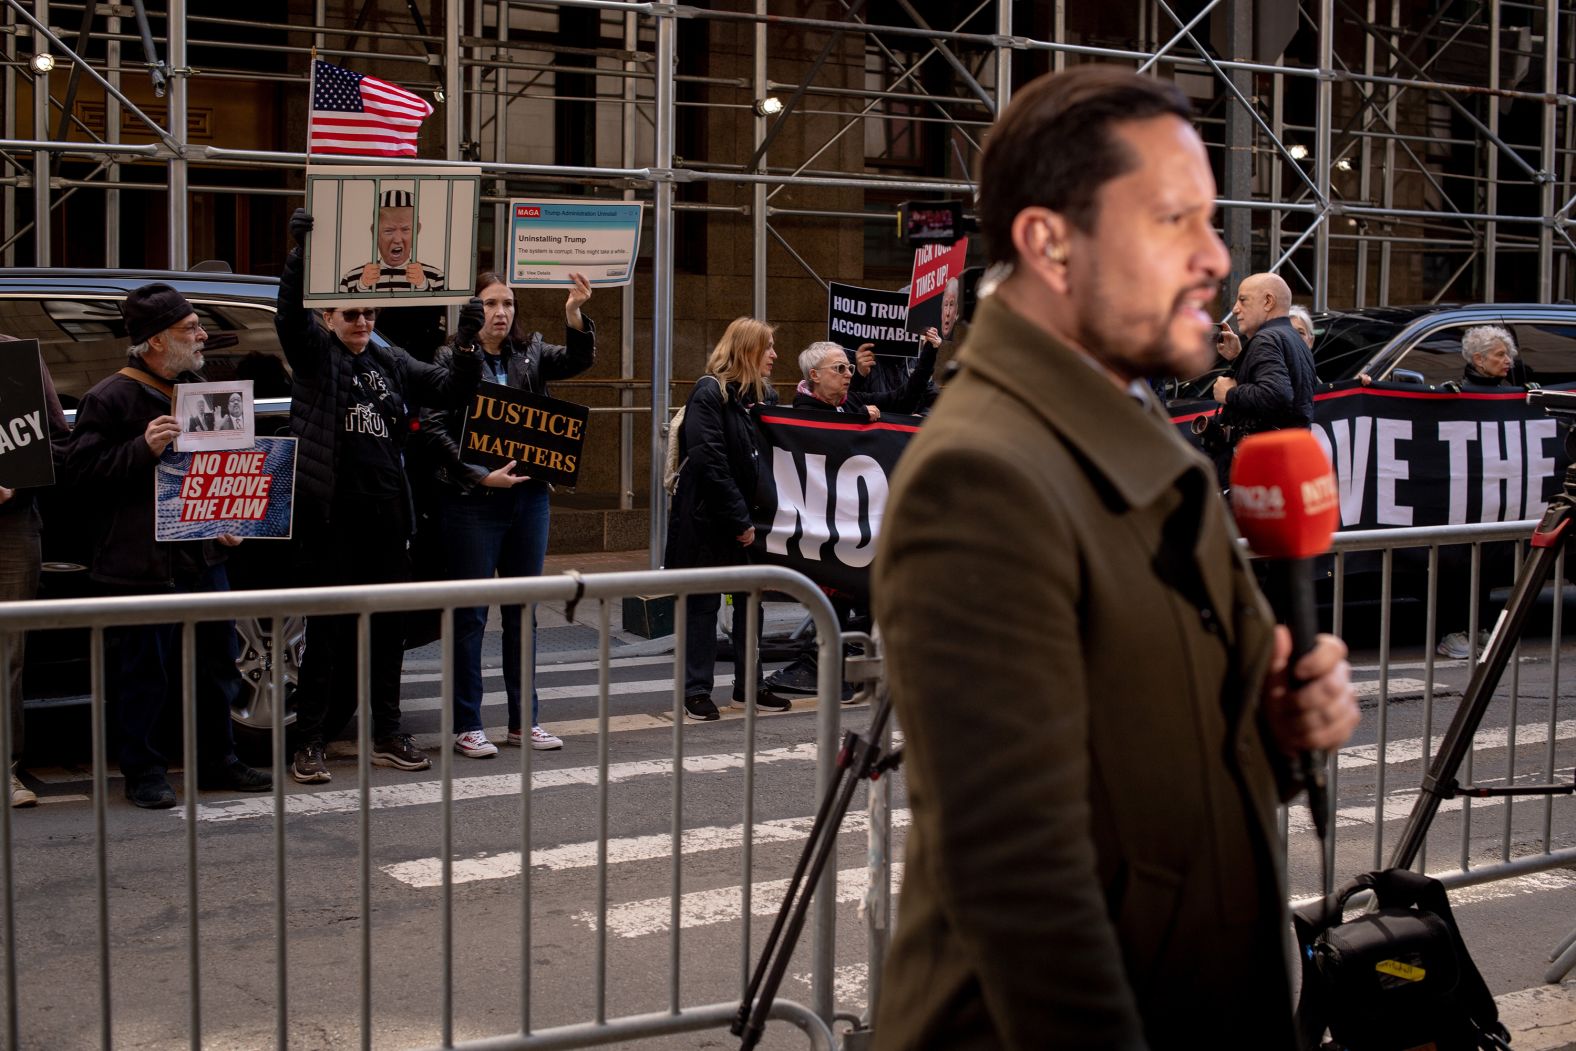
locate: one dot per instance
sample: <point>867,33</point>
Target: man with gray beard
<point>123,426</point>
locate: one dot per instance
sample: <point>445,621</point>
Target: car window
<point>1546,352</point>
<point>1437,356</point>
<point>84,339</point>
<point>1344,343</point>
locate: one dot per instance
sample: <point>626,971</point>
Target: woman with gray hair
<point>1302,321</point>
<point>1489,351</point>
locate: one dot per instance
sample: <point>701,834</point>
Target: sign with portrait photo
<point>935,294</point>
<point>391,234</point>
<point>214,416</point>
<point>542,435</point>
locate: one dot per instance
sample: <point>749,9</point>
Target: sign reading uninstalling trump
<point>240,492</point>
<point>543,436</point>
<point>24,429</point>
<point>823,492</point>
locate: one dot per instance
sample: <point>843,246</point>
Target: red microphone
<point>1284,497</point>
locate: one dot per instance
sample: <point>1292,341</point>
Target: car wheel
<point>253,710</point>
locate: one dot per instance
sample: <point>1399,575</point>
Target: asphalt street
<point>727,897</point>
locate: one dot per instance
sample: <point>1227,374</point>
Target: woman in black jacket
<point>497,522</point>
<point>709,522</point>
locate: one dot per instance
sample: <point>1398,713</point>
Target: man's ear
<point>1042,240</point>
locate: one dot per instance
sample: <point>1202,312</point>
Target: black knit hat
<point>151,309</point>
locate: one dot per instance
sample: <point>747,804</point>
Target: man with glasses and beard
<point>1094,850</point>
<point>352,402</point>
<point>123,426</point>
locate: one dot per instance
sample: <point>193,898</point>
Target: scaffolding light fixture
<point>1298,152</point>
<point>43,62</point>
<point>438,96</point>
<point>1343,165</point>
<point>769,106</point>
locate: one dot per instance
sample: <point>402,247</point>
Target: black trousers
<point>366,542</point>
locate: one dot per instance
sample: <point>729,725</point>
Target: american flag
<point>352,113</point>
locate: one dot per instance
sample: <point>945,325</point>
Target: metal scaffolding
<point>1369,163</point>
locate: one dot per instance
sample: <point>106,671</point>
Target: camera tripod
<point>860,758</point>
<point>1553,536</point>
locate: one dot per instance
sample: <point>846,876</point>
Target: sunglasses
<point>842,367</point>
<point>353,316</point>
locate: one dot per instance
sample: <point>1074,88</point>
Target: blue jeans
<point>489,531</point>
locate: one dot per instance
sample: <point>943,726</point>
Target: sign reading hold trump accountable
<point>855,316</point>
<point>542,435</point>
<point>241,492</point>
<point>25,458</point>
<point>549,240</point>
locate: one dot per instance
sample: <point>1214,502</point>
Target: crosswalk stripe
<point>551,669</point>
<point>416,793</point>
<point>1533,883</point>
<point>1411,749</point>
<point>703,908</point>
<point>428,872</point>
<point>558,693</point>
<point>1398,806</point>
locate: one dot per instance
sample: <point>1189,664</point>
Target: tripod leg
<point>1480,689</point>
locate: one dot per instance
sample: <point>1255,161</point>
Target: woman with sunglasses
<point>709,521</point>
<point>351,404</point>
<point>496,523</point>
<point>828,375</point>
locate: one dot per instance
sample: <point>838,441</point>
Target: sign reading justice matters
<point>542,435</point>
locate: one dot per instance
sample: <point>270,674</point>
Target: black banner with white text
<point>823,489</point>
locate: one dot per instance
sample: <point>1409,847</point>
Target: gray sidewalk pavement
<point>560,641</point>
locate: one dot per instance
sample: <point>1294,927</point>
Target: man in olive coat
<point>1094,773</point>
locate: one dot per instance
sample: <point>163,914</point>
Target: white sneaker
<point>1457,647</point>
<point>474,743</point>
<point>543,741</point>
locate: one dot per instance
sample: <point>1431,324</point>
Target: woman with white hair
<point>1302,321</point>
<point>1490,351</point>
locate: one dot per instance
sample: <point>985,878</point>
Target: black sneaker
<point>401,751</point>
<point>700,709</point>
<point>798,677</point>
<point>309,766</point>
<point>236,776</point>
<point>766,701</point>
<point>150,791</point>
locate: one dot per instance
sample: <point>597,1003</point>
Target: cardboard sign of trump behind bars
<point>392,234</point>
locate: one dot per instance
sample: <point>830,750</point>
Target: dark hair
<point>485,280</point>
<point>1054,147</point>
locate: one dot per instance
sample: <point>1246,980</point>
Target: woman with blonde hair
<point>709,521</point>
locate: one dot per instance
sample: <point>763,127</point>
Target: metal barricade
<point>1398,768</point>
<point>572,589</point>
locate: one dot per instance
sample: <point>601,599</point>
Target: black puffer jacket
<point>435,448</point>
<point>719,460</point>
<point>108,456</point>
<point>1275,381</point>
<point>907,398</point>
<point>320,388</point>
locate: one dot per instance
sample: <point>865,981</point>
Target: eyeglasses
<point>842,368</point>
<point>189,329</point>
<point>353,316</point>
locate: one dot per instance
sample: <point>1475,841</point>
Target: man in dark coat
<point>1093,859</point>
<point>123,426</point>
<point>352,401</point>
<point>1272,385</point>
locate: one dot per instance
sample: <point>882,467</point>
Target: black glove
<point>300,226</point>
<point>471,317</point>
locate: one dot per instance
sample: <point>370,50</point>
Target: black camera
<point>1213,435</point>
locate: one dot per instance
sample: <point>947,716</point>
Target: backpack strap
<point>149,380</point>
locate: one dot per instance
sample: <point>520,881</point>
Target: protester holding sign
<point>709,521</point>
<point>828,379</point>
<point>124,424</point>
<point>351,407</point>
<point>21,554</point>
<point>495,522</point>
